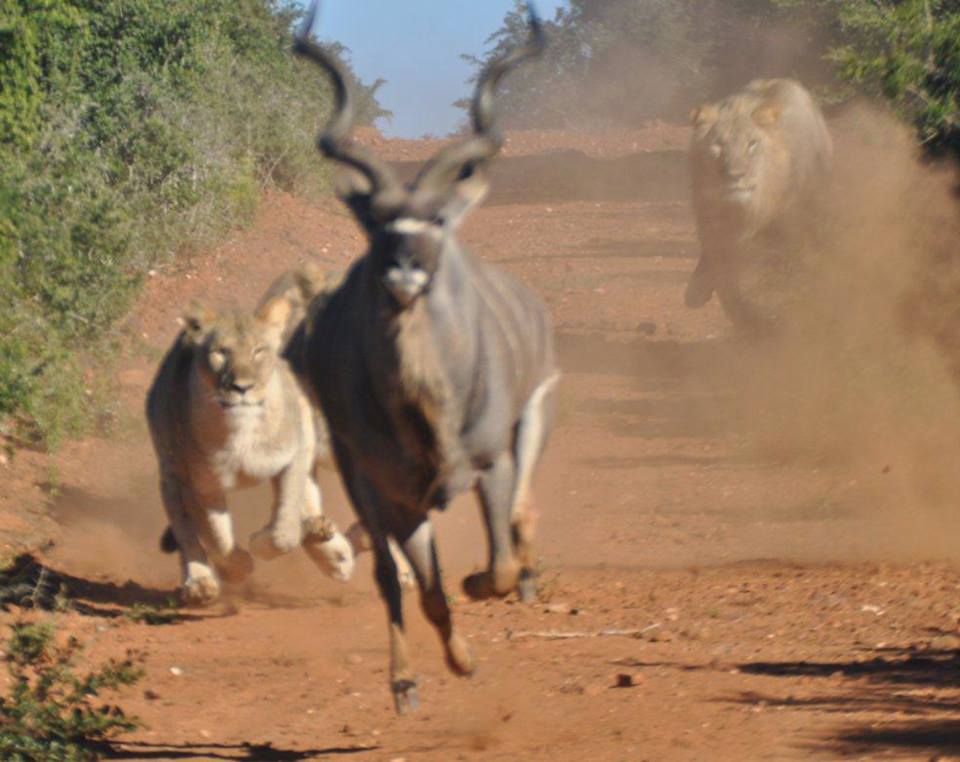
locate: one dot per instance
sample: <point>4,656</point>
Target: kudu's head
<point>410,225</point>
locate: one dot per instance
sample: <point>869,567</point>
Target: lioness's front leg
<point>284,532</point>
<point>198,583</point>
<point>322,541</point>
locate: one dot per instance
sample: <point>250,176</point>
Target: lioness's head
<point>237,354</point>
<point>738,152</point>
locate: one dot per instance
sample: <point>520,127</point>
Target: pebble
<point>176,671</point>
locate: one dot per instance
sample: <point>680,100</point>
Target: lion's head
<point>739,155</point>
<point>237,354</point>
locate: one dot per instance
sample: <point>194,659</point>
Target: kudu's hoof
<point>478,586</point>
<point>459,659</point>
<point>405,695</point>
<point>527,587</point>
<point>482,585</point>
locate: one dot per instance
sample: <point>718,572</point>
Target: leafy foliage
<point>51,713</point>
<point>130,129</point>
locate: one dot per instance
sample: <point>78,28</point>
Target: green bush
<point>51,713</point>
<point>130,129</point>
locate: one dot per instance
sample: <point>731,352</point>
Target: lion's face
<point>736,150</point>
<point>237,354</point>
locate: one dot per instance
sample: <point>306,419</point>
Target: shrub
<point>51,713</point>
<point>129,130</point>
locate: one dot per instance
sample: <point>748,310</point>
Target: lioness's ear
<point>767,115</point>
<point>310,280</point>
<point>274,315</point>
<point>704,115</point>
<point>197,321</point>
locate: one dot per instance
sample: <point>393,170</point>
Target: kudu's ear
<point>467,192</point>
<point>197,322</point>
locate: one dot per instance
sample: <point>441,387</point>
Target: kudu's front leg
<point>421,550</point>
<point>370,509</point>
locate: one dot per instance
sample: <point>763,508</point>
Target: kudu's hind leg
<point>532,433</point>
<point>421,551</point>
<point>496,489</point>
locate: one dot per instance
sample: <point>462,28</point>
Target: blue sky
<point>416,45</point>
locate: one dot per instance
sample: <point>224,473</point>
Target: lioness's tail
<point>168,543</point>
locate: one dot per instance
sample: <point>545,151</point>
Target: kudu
<point>435,370</point>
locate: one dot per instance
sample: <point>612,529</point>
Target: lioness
<point>756,157</point>
<point>226,412</point>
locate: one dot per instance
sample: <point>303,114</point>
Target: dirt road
<point>708,592</point>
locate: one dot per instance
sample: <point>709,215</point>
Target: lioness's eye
<point>258,352</point>
<point>752,145</point>
<point>218,357</point>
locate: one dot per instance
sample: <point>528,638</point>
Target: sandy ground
<point>707,592</point>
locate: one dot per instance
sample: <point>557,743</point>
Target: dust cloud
<point>859,376</point>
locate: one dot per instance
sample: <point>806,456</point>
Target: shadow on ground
<point>906,682</point>
<point>31,584</point>
<point>239,752</point>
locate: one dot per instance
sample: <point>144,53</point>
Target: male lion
<point>226,412</point>
<point>757,157</point>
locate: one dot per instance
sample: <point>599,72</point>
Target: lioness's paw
<point>334,557</point>
<point>318,529</point>
<point>236,567</point>
<point>200,591</point>
<point>268,543</point>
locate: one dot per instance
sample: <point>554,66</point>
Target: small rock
<point>150,695</point>
<point>558,608</point>
<point>176,671</point>
<point>628,679</point>
<point>205,733</point>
